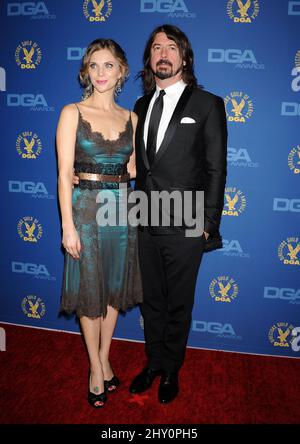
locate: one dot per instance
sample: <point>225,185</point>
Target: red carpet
<point>44,381</point>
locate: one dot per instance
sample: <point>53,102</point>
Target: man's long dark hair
<point>185,50</point>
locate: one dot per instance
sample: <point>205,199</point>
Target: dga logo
<point>75,53</point>
<point>233,248</point>
<point>241,59</point>
<point>34,102</point>
<point>294,8</point>
<point>97,11</point>
<point>28,55</point>
<point>235,202</point>
<point>2,79</point>
<point>35,190</point>
<point>294,160</point>
<point>215,328</point>
<point>37,271</point>
<point>174,8</point>
<point>288,251</point>
<point>280,335</point>
<point>238,106</point>
<point>29,229</point>
<point>240,157</point>
<point>34,10</point>
<point>33,307</point>
<point>28,145</point>
<point>243,11</point>
<point>223,289</point>
<point>291,295</point>
<point>284,204</point>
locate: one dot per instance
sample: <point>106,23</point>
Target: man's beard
<point>162,75</point>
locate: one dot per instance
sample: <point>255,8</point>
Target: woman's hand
<point>71,242</point>
<point>75,180</point>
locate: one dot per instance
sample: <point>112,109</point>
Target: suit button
<point>149,173</point>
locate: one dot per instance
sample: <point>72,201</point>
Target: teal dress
<point>107,272</point>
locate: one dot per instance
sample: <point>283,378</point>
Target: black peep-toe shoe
<point>111,385</point>
<point>93,399</point>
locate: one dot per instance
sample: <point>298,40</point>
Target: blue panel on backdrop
<point>248,293</point>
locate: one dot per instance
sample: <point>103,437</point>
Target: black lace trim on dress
<point>125,136</point>
<point>100,168</point>
<point>97,185</point>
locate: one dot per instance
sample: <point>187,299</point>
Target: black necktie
<point>153,126</point>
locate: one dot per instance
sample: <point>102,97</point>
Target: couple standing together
<point>174,140</point>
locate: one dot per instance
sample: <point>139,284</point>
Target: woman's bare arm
<point>65,141</point>
<point>131,166</point>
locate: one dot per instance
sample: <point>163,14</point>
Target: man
<point>180,144</point>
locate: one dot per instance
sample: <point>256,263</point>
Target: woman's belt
<point>104,177</point>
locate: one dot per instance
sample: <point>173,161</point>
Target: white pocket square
<point>187,120</point>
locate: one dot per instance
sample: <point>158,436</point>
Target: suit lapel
<point>140,130</point>
<point>175,120</point>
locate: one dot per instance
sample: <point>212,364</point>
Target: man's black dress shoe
<point>143,380</point>
<point>168,387</point>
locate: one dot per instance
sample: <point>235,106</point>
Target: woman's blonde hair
<point>116,51</point>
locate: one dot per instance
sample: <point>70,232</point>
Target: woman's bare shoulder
<point>69,112</point>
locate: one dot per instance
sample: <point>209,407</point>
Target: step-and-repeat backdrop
<point>246,51</point>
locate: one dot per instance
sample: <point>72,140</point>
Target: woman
<point>101,274</point>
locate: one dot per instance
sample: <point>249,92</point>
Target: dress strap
<point>79,118</point>
<point>79,112</point>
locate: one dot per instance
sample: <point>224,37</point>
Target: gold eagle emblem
<point>29,229</point>
<point>33,307</point>
<point>28,55</point>
<point>28,145</point>
<point>293,251</point>
<point>243,7</point>
<point>237,107</point>
<point>283,335</point>
<point>231,202</point>
<point>97,7</point>
<point>224,290</point>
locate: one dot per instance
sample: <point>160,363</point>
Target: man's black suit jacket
<point>192,156</point>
